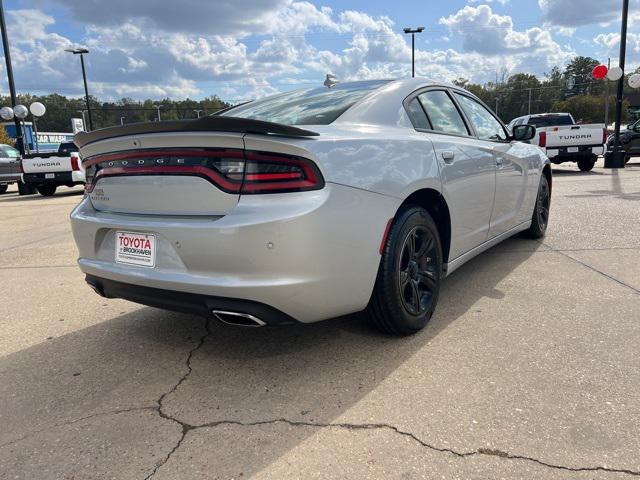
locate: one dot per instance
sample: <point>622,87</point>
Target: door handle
<point>499,161</point>
<point>448,156</point>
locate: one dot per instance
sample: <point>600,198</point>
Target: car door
<point>466,170</point>
<point>9,163</point>
<point>512,165</point>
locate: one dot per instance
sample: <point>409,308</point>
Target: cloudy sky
<point>240,49</point>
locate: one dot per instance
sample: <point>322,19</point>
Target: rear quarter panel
<point>393,161</point>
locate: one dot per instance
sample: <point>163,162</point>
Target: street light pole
<point>122,120</point>
<point>12,86</point>
<point>158,107</point>
<point>198,113</point>
<point>413,32</point>
<point>615,158</point>
<point>84,121</point>
<point>81,52</point>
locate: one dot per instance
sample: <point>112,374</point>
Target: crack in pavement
<point>76,420</point>
<point>591,267</point>
<point>186,428</point>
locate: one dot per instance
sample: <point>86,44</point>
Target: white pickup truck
<point>46,172</point>
<point>564,141</point>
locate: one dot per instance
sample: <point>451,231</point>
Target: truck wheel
<point>408,284</point>
<point>540,218</point>
<point>25,189</point>
<point>586,164</point>
<point>626,160</point>
<point>3,188</point>
<point>46,190</point>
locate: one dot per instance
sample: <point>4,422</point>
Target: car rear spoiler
<point>203,124</point>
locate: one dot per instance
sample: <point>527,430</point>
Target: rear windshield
<point>550,121</point>
<point>313,106</point>
<point>68,147</point>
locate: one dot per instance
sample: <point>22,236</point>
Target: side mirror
<point>630,126</point>
<point>523,133</point>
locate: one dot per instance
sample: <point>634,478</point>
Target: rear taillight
<point>276,173</point>
<point>543,139</point>
<point>605,134</point>
<point>20,166</point>
<point>75,164</point>
<point>233,171</point>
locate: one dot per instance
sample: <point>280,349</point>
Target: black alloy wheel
<point>417,275</point>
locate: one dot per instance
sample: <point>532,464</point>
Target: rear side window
<point>417,115</point>
<point>443,113</point>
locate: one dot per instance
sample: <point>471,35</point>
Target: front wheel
<point>46,190</point>
<point>586,164</point>
<point>408,283</point>
<point>540,219</point>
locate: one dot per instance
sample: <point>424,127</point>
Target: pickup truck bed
<point>46,172</point>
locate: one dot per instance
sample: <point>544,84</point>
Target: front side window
<point>443,113</point>
<point>486,125</point>
<point>311,106</point>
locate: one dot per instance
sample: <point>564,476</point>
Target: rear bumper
<point>565,155</point>
<point>311,255</point>
<point>59,178</point>
<point>196,304</point>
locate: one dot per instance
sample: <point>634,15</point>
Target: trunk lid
<point>177,168</point>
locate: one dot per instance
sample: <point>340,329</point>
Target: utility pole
<point>530,91</point>
<point>81,52</point>
<point>615,158</point>
<point>12,86</point>
<point>413,32</point>
<point>497,100</point>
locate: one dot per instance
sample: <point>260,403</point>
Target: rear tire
<point>47,190</point>
<point>408,284</point>
<point>25,189</point>
<point>586,164</point>
<point>540,218</point>
<point>3,189</point>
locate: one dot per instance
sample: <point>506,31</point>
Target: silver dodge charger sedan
<point>307,205</point>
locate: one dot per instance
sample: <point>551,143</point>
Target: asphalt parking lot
<point>530,368</point>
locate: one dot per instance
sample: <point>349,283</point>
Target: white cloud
<point>134,55</point>
<point>576,13</point>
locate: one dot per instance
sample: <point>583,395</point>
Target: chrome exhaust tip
<point>238,319</point>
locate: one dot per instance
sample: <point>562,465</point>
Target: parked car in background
<point>565,141</point>
<point>47,171</point>
<point>9,167</point>
<point>307,205</point>
<point>630,140</point>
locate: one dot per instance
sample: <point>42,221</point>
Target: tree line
<point>571,89</point>
<point>61,109</point>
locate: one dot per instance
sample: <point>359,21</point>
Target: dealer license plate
<point>573,149</point>
<point>49,175</point>
<point>136,249</point>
